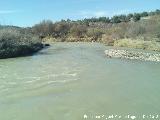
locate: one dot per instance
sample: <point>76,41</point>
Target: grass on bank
<point>138,44</point>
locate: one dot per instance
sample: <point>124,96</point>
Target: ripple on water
<point>20,83</point>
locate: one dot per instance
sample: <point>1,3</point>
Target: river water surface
<point>73,81</point>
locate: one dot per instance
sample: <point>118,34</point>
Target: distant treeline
<point>120,18</point>
<point>122,30</point>
<point>96,27</point>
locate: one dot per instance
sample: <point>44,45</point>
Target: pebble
<point>133,55</point>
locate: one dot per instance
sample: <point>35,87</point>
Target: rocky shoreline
<point>133,55</point>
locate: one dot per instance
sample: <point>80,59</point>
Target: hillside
<point>138,30</point>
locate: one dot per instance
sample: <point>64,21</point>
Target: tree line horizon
<point>117,18</point>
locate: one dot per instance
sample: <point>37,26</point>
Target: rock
<point>46,45</point>
<point>127,54</point>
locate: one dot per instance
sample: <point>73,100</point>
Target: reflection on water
<point>70,80</point>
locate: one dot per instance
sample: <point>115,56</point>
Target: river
<point>76,81</point>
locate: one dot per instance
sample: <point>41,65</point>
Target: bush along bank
<point>21,50</point>
<point>15,43</point>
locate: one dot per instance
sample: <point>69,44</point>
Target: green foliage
<point>115,19</point>
<point>144,14</point>
<point>104,19</point>
<point>121,18</point>
<point>129,16</point>
<point>136,17</point>
<point>100,19</point>
<point>157,12</point>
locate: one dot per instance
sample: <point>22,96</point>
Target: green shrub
<point>136,17</point>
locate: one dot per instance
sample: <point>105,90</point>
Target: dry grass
<point>139,44</point>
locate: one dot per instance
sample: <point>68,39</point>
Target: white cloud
<point>8,11</point>
<point>121,12</point>
<point>87,13</point>
<point>100,13</point>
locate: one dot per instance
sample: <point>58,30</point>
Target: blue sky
<point>29,12</point>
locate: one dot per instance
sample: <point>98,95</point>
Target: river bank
<point>29,49</point>
<point>22,50</point>
<point>141,54</point>
<point>17,43</point>
<point>133,55</point>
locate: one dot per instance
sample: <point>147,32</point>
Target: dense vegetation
<point>141,27</point>
<point>138,30</point>
<point>16,41</point>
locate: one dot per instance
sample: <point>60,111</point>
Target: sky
<point>25,13</point>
